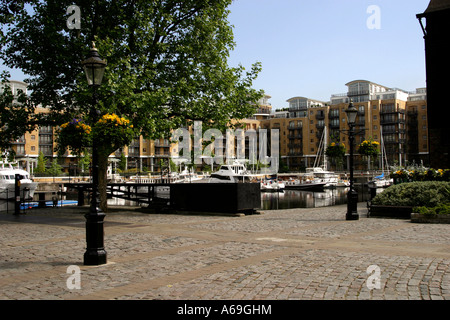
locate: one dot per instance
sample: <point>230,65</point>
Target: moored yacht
<point>7,182</point>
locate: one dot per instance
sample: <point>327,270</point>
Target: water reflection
<point>303,199</point>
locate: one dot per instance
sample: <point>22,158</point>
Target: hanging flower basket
<point>75,135</point>
<point>369,148</point>
<point>112,132</point>
<point>335,150</point>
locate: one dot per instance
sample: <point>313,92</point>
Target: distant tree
<point>55,169</point>
<point>41,163</point>
<point>123,162</point>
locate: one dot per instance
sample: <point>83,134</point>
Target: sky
<point>313,48</point>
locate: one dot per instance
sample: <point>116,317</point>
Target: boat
<point>308,184</point>
<point>381,181</point>
<point>230,173</point>
<point>186,176</point>
<point>330,178</point>
<point>317,177</point>
<point>272,185</point>
<point>7,182</point>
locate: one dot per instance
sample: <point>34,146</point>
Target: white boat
<point>229,173</point>
<point>7,182</point>
<point>272,185</point>
<point>381,181</point>
<point>320,175</point>
<point>186,176</point>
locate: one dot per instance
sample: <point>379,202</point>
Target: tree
<point>167,64</point>
<point>123,162</point>
<point>83,162</point>
<point>15,114</point>
<point>41,161</point>
<point>55,169</point>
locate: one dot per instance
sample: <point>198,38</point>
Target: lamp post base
<point>352,216</point>
<point>352,205</point>
<point>95,252</point>
<point>95,257</point>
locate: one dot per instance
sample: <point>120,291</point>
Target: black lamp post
<point>95,254</point>
<point>352,196</point>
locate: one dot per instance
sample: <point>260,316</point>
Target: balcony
<point>390,109</point>
<point>391,120</point>
<point>295,146</point>
<point>320,116</point>
<point>335,125</point>
<point>358,93</point>
<point>295,126</point>
<point>295,153</point>
<point>19,141</point>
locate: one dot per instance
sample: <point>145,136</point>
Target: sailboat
<point>317,177</point>
<point>381,181</point>
<point>321,173</point>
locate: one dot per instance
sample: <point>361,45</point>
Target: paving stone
<point>294,254</point>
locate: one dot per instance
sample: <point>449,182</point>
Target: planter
<point>402,212</point>
<point>430,218</point>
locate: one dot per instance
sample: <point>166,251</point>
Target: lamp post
<point>95,254</point>
<point>352,195</point>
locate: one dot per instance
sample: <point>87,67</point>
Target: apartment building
<point>394,117</point>
<point>397,119</point>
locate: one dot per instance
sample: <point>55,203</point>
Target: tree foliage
<point>167,63</point>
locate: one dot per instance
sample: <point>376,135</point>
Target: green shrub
<point>415,194</point>
<point>441,209</point>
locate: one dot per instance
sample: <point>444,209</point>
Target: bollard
<point>17,194</point>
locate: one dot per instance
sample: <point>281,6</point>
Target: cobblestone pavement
<point>301,254</point>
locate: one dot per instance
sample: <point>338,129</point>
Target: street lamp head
<point>94,67</point>
<point>351,113</point>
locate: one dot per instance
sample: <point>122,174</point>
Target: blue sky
<point>313,48</point>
